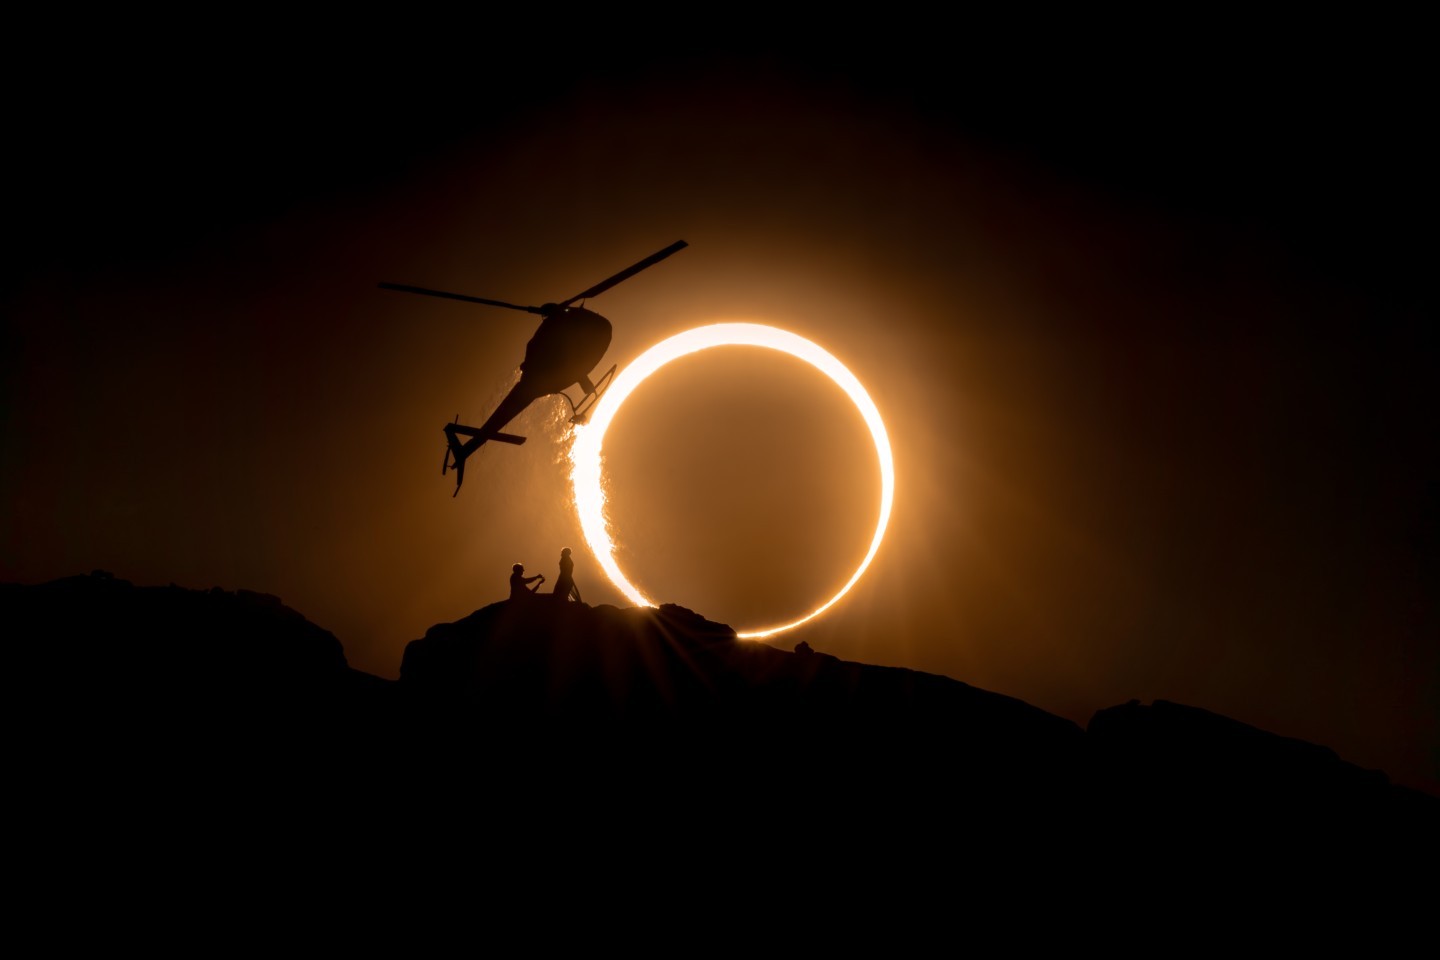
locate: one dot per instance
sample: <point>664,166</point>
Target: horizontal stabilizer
<point>507,438</point>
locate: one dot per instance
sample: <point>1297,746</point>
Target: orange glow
<point>587,477</point>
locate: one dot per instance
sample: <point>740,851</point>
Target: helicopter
<point>563,352</point>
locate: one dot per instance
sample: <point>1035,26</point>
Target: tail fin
<point>456,452</point>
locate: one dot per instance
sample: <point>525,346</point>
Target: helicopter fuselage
<point>567,346</point>
<point>563,352</point>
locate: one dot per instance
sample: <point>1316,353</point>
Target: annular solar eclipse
<point>587,478</point>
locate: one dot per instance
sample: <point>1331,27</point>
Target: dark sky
<point>1143,306</point>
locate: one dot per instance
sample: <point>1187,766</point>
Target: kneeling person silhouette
<point>518,581</point>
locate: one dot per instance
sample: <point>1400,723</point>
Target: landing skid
<point>581,411</point>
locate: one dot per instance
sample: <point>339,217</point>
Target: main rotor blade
<point>456,296</point>
<point>627,273</point>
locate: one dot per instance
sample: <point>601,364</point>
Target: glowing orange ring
<point>588,483</point>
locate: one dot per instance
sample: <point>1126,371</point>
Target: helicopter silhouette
<point>563,352</point>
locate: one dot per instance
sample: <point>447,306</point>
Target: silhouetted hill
<point>622,723</point>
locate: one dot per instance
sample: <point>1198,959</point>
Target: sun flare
<point>586,475</point>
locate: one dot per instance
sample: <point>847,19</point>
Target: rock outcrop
<point>610,722</point>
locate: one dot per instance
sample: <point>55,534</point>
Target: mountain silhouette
<point>636,728</point>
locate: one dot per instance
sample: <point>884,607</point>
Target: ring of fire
<point>586,477</point>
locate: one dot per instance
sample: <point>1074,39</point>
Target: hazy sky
<point>1145,321</point>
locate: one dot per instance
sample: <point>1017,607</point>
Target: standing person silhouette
<point>518,590</point>
<point>565,587</point>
